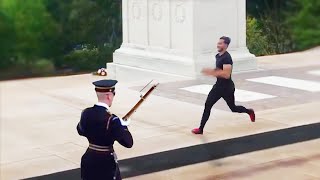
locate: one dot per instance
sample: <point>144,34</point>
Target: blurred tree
<point>257,41</point>
<point>304,21</point>
<point>35,31</point>
<point>271,17</point>
<point>93,23</point>
<point>7,43</point>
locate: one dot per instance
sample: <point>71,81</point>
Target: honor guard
<point>102,128</point>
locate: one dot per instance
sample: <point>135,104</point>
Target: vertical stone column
<point>179,37</point>
<point>217,18</point>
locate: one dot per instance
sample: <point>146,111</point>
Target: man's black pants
<point>225,91</point>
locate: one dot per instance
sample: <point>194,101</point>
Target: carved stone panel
<point>138,22</point>
<point>159,23</point>
<point>180,12</point>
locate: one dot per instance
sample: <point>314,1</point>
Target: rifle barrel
<point>136,106</point>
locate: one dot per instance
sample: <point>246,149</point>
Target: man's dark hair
<point>226,39</point>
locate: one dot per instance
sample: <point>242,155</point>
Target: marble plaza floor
<point>39,116</point>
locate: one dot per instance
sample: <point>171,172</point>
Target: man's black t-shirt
<point>225,58</point>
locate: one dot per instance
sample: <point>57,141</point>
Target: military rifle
<point>142,99</point>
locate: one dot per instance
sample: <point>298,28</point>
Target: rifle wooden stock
<point>135,107</point>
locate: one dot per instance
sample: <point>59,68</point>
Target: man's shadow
<point>208,151</point>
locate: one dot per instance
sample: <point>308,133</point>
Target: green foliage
<point>274,8</point>
<point>93,22</point>
<point>35,30</point>
<point>84,59</point>
<point>288,25</point>
<point>278,35</point>
<point>7,42</point>
<point>305,24</point>
<point>23,68</point>
<point>87,22</point>
<point>271,18</point>
<point>42,67</point>
<point>50,30</point>
<point>257,41</point>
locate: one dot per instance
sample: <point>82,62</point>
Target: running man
<point>224,87</point>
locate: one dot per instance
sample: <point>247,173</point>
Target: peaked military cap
<point>106,85</point>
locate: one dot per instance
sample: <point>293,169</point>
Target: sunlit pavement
<point>39,116</point>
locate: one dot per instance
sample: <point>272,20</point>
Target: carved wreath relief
<point>136,10</point>
<point>180,12</point>
<point>156,11</point>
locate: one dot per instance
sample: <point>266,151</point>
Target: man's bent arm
<point>225,73</point>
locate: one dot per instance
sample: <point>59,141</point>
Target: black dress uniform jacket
<point>101,129</point>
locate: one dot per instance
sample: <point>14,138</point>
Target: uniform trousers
<point>99,166</point>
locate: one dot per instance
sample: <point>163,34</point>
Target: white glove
<point>125,123</point>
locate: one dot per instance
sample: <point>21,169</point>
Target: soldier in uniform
<point>102,128</point>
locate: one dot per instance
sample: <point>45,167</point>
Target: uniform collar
<point>103,105</point>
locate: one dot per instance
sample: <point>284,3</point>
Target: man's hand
<point>209,71</point>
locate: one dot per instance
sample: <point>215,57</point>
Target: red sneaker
<point>197,131</point>
<point>252,115</point>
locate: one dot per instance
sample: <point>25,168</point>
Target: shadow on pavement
<point>204,152</point>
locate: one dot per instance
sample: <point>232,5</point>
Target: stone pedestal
<point>179,37</point>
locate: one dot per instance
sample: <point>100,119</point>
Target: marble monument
<point>178,37</point>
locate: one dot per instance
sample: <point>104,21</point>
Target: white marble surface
<point>314,72</point>
<point>305,85</point>
<point>179,37</point>
<point>240,95</point>
<point>38,125</point>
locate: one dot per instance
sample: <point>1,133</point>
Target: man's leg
<point>229,98</point>
<point>213,97</point>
